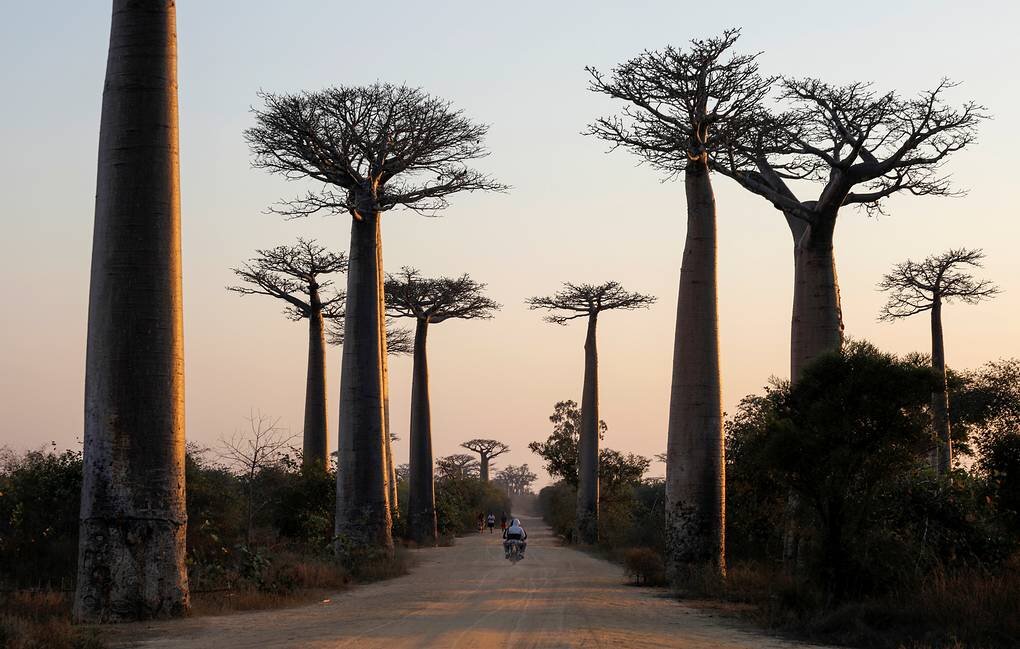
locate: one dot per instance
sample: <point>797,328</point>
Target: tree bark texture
<point>315,450</point>
<point>817,324</point>
<point>133,517</point>
<point>940,397</point>
<point>362,508</point>
<point>695,470</point>
<point>421,499</point>
<point>484,464</point>
<point>588,443</point>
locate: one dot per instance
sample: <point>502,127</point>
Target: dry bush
<point>42,620</point>
<point>644,566</point>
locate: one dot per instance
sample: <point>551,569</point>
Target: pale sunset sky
<point>574,214</point>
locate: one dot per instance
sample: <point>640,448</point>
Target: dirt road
<point>468,596</point>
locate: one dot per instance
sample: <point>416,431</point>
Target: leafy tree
<point>925,286</point>
<point>133,519</point>
<point>293,274</point>
<point>370,149</point>
<point>429,301</point>
<point>682,106</point>
<point>561,448</point>
<point>588,301</point>
<point>854,422</point>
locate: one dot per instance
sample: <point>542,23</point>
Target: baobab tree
<point>399,342</point>
<point>571,302</point>
<point>917,287</point>
<point>487,450</point>
<point>370,149</point>
<point>518,479</point>
<point>133,519</point>
<point>429,301</point>
<point>294,274</point>
<point>459,465</point>
<point>681,108</point>
<point>860,147</point>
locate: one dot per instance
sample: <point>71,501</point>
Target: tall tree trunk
<point>817,325</point>
<point>362,505</point>
<point>315,449</point>
<point>132,524</point>
<point>695,468</point>
<point>588,444</point>
<point>940,397</point>
<point>484,466</point>
<point>421,498</point>
<point>391,470</point>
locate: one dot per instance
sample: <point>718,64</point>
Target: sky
<point>575,213</point>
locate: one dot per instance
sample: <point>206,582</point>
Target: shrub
<point>645,566</point>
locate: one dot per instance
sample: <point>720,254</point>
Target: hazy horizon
<point>574,214</point>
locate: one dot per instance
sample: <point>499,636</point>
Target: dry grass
<point>42,620</point>
<point>962,610</point>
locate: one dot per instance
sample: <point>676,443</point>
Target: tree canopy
<point>373,147</point>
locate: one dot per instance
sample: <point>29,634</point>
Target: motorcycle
<point>515,552</point>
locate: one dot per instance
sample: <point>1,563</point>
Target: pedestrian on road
<point>491,520</point>
<point>502,522</point>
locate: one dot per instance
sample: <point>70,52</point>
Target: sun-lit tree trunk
<point>391,470</point>
<point>315,445</point>
<point>940,398</point>
<point>363,514</point>
<point>421,500</point>
<point>817,324</point>
<point>695,479</point>
<point>588,444</point>
<point>133,517</point>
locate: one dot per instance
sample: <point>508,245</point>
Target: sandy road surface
<point>468,596</point>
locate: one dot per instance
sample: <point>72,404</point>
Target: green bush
<point>40,493</point>
<point>645,566</point>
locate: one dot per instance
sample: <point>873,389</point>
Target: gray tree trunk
<point>484,463</point>
<point>940,397</point>
<point>315,449</point>
<point>588,443</point>
<point>362,505</point>
<point>817,325</point>
<point>132,525</point>
<point>421,498</point>
<point>695,468</point>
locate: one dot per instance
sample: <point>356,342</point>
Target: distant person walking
<point>481,522</point>
<point>502,522</point>
<point>491,522</point>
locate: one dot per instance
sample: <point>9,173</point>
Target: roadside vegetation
<point>890,555</point>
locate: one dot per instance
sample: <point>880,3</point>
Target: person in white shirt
<point>515,533</point>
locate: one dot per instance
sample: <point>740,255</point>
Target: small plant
<point>645,566</point>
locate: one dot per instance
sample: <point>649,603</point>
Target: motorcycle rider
<point>515,533</point>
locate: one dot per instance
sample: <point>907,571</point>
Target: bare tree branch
<point>915,287</point>
<point>373,148</point>
<point>409,295</point>
<point>291,273</point>
<point>583,300</point>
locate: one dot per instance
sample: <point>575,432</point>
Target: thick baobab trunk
<point>484,466</point>
<point>695,468</point>
<point>132,528</point>
<point>315,445</point>
<point>362,507</point>
<point>421,498</point>
<point>588,444</point>
<point>940,397</point>
<point>817,324</point>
